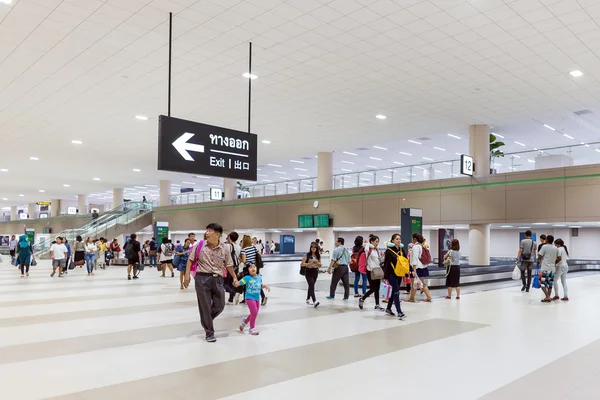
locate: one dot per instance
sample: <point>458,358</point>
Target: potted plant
<point>242,191</point>
<point>495,151</point>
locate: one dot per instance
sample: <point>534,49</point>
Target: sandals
<point>428,300</point>
<point>457,297</point>
<point>546,300</point>
<point>565,299</point>
<point>448,298</point>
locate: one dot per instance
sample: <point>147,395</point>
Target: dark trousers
<point>526,267</point>
<point>23,267</point>
<point>229,288</point>
<point>394,282</point>
<point>311,277</point>
<point>373,288</point>
<point>211,300</point>
<point>340,273</point>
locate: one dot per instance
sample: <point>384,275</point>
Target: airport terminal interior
<point>309,199</point>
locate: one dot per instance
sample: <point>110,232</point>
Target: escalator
<point>125,219</point>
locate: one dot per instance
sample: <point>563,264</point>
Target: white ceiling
<point>83,69</point>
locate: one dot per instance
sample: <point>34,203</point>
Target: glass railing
<point>526,160</point>
<point>98,227</point>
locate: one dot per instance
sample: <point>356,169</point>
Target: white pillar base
<point>165,193</point>
<point>479,244</point>
<point>328,238</point>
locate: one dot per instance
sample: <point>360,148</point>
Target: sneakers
<point>243,324</point>
<point>379,308</point>
<point>236,299</point>
<point>229,303</point>
<point>345,299</point>
<point>389,312</point>
<point>128,277</point>
<point>172,274</point>
<point>356,295</point>
<point>523,289</point>
<point>361,303</point>
<point>136,277</point>
<point>52,275</point>
<point>254,332</point>
<point>317,304</point>
<point>264,301</point>
<point>401,316</point>
<point>309,303</point>
<point>330,298</point>
<point>211,339</point>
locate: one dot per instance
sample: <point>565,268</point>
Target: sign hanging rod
<point>249,86</point>
<point>170,62</point>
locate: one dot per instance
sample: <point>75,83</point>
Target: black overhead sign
<point>195,148</point>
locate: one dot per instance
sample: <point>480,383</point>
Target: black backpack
<point>129,250</point>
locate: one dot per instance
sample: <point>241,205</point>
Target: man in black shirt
<point>133,253</point>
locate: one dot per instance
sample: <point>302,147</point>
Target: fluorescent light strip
<point>399,163</point>
<point>350,154</point>
<point>439,148</point>
<point>375,158</point>
<point>454,136</point>
<point>301,169</point>
<point>348,162</point>
<point>297,162</point>
<point>414,142</point>
<point>520,144</point>
<point>427,158</point>
<point>280,172</point>
<point>403,153</point>
<point>567,136</point>
<point>498,135</point>
<point>346,170</point>
<point>370,166</point>
<point>379,147</point>
<point>447,163</point>
<point>549,127</point>
<point>304,176</point>
<point>274,165</point>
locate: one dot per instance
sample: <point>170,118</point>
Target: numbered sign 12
<point>466,165</point>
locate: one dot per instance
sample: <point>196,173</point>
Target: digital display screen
<point>305,221</point>
<point>321,220</point>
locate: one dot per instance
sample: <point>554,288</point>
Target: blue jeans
<point>357,276</point>
<point>89,262</point>
<point>394,282</point>
<point>152,260</point>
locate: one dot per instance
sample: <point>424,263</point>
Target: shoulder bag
<point>527,257</point>
<point>302,268</point>
<point>376,272</point>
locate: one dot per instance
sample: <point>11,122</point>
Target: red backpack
<point>425,256</point>
<point>355,258</point>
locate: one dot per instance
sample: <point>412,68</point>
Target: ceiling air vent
<point>362,148</point>
<point>306,158</point>
<point>584,112</point>
<point>422,139</point>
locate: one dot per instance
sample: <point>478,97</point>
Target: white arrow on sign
<point>182,146</point>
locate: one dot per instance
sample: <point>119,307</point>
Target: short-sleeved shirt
<point>212,260</point>
<point>341,253</point>
<point>59,251</point>
<point>253,286</point>
<point>237,250</point>
<point>563,257</point>
<point>152,245</point>
<point>549,252</point>
<point>455,255</point>
<point>250,253</point>
<point>528,246</point>
<point>137,247</point>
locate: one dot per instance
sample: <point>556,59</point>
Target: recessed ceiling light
<point>379,147</point>
<point>76,142</point>
<point>549,127</point>
<point>350,154</point>
<point>577,73</point>
<point>3,170</point>
<point>439,148</point>
<point>454,136</point>
<point>137,170</point>
<point>4,199</point>
<point>141,117</point>
<point>414,142</point>
<point>506,226</point>
<point>34,158</point>
<point>348,162</point>
<point>266,141</point>
<point>346,170</point>
<point>498,135</point>
<point>274,165</point>
<point>375,158</point>
<point>248,75</point>
<point>406,154</point>
<point>188,183</point>
<point>380,116</point>
<point>96,179</point>
<point>519,143</point>
<point>42,191</point>
<point>66,185</point>
<point>399,163</point>
<point>427,158</point>
<point>21,195</point>
<point>567,136</point>
<point>300,169</point>
<point>297,162</point>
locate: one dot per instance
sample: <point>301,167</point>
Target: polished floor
<point>104,337</point>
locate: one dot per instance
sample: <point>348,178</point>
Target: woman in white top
<point>90,255</point>
<point>419,270</point>
<point>167,250</point>
<point>373,261</point>
<point>561,270</point>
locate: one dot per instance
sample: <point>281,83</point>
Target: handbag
<point>79,263</point>
<point>33,262</point>
<point>138,266</point>
<point>71,265</point>
<point>448,261</point>
<point>302,270</point>
<point>377,273</point>
<point>536,280</point>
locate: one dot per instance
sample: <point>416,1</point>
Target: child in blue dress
<point>253,283</point>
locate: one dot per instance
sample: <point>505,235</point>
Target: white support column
<point>14,213</point>
<point>229,189</point>
<point>165,193</point>
<point>325,172</point>
<point>328,238</point>
<point>82,203</point>
<point>55,208</point>
<point>479,235</point>
<point>479,244</point>
<point>32,210</point>
<point>117,197</point>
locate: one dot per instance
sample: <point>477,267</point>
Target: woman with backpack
<point>420,270</point>
<point>373,262</point>
<point>395,249</point>
<point>166,256</point>
<point>358,251</point>
<point>452,262</point>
